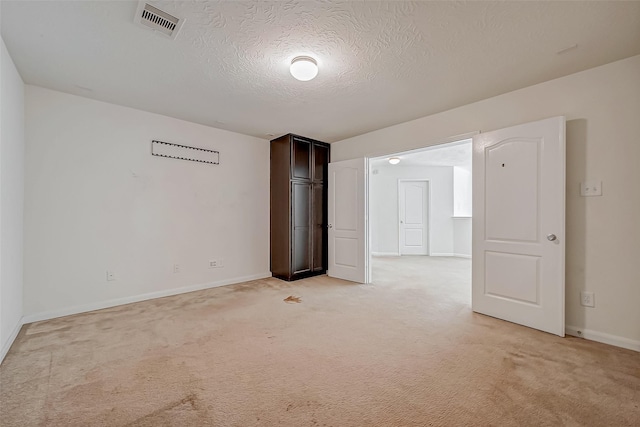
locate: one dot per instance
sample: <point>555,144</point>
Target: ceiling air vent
<point>158,20</point>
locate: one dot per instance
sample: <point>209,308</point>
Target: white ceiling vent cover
<point>151,17</point>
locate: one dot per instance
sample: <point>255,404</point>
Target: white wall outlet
<point>176,268</point>
<point>111,276</point>
<point>587,299</point>
<point>591,188</point>
<point>216,263</point>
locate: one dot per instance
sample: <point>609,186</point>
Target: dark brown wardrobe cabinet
<point>298,207</point>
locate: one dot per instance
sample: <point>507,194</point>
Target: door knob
<point>401,222</point>
<point>551,237</point>
<point>330,226</point>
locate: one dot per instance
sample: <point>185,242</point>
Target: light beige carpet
<point>406,351</point>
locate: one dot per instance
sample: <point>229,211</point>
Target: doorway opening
<point>518,228</point>
<point>420,214</point>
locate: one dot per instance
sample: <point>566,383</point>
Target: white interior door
<point>413,203</point>
<point>347,220</point>
<point>519,224</point>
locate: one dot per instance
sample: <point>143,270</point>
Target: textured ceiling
<point>381,63</point>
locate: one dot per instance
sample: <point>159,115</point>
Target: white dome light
<point>304,68</point>
<point>394,160</point>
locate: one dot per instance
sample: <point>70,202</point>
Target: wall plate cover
<point>216,263</point>
<point>591,188</point>
<point>587,299</point>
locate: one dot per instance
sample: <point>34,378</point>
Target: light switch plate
<point>591,188</point>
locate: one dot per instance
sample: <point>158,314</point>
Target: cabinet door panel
<point>320,160</point>
<point>301,194</point>
<point>319,225</point>
<point>301,159</point>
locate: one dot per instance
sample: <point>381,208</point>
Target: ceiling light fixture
<point>304,68</point>
<point>394,160</point>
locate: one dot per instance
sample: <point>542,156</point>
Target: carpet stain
<point>291,299</point>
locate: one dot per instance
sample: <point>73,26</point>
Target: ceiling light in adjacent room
<point>304,68</point>
<point>394,160</point>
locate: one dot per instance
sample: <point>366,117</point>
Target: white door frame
<point>428,210</point>
<point>367,228</point>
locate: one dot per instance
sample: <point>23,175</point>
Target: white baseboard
<point>37,317</point>
<point>442,254</point>
<point>7,345</point>
<point>462,256</point>
<point>602,337</point>
<point>385,254</point>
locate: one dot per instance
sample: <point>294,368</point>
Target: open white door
<point>519,224</point>
<point>347,220</point>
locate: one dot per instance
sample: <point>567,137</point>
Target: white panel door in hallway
<point>413,204</point>
<point>518,224</point>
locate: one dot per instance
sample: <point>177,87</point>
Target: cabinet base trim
<point>298,276</point>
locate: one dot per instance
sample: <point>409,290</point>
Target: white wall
<point>602,107</point>
<point>462,194</point>
<point>97,200</point>
<point>11,199</point>
<point>462,236</point>
<point>462,197</point>
<point>384,207</point>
